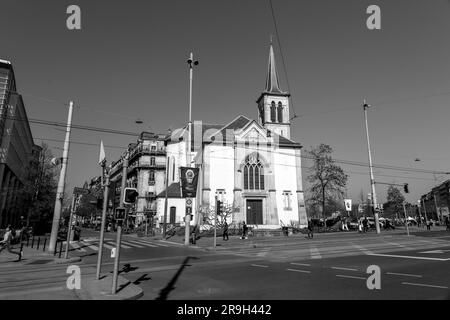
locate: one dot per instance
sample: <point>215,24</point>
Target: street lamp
<point>187,218</point>
<point>372,180</point>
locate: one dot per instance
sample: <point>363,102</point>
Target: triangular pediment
<point>253,132</point>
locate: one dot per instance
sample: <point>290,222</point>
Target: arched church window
<point>253,173</point>
<point>273,112</point>
<point>173,168</point>
<point>280,112</point>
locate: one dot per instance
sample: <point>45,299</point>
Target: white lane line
<point>128,243</point>
<point>424,285</point>
<point>296,270</point>
<point>77,246</point>
<point>348,269</point>
<point>360,248</point>
<point>404,274</point>
<point>351,277</point>
<point>259,265</point>
<point>90,246</point>
<point>262,253</point>
<point>315,254</point>
<point>30,291</point>
<point>406,257</point>
<point>399,245</point>
<point>301,264</point>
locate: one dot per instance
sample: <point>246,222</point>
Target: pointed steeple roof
<point>272,83</point>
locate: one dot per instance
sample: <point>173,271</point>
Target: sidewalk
<point>207,242</point>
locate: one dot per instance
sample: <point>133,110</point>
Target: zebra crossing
<point>92,244</point>
<point>321,250</point>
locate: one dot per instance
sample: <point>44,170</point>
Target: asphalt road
<point>289,268</point>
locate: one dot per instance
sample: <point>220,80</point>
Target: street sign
<point>113,252</point>
<point>188,182</point>
<point>348,204</point>
<point>188,210</point>
<point>189,202</point>
<point>82,191</point>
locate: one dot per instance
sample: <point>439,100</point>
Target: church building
<point>253,166</point>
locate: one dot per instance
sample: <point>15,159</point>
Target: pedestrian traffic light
<point>130,195</point>
<point>119,214</point>
<point>405,188</point>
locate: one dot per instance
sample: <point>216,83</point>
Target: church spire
<point>272,84</point>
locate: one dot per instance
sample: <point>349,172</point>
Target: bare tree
<point>328,181</point>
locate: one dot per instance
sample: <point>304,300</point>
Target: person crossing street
<point>6,243</point>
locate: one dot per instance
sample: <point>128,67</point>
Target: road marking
<point>129,243</point>
<point>258,265</point>
<point>301,264</point>
<point>262,253</point>
<point>399,245</point>
<point>424,285</point>
<point>107,246</point>
<point>90,246</point>
<point>170,242</point>
<point>435,251</point>
<point>28,291</point>
<point>351,277</point>
<point>406,257</point>
<point>296,270</point>
<point>77,246</point>
<point>315,254</point>
<point>404,274</point>
<point>360,248</point>
<point>144,244</point>
<point>339,268</point>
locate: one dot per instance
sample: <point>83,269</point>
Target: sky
<point>128,61</point>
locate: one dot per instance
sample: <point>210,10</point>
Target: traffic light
<point>119,214</point>
<point>405,188</point>
<point>219,207</point>
<point>130,195</point>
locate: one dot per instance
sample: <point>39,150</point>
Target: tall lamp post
<point>191,62</point>
<point>372,180</point>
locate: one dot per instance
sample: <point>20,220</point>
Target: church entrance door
<point>254,212</point>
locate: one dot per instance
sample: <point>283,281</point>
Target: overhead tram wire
<point>282,58</point>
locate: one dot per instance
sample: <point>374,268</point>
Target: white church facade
<point>252,166</point>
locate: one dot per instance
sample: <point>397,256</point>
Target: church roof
<point>272,83</point>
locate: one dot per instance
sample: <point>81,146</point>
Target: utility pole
<point>119,226</point>
<point>61,185</point>
<point>406,219</point>
<point>166,182</point>
<point>215,225</point>
<point>69,230</point>
<point>102,227</point>
<point>372,180</point>
<point>187,217</point>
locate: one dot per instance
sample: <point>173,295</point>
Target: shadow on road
<point>164,293</point>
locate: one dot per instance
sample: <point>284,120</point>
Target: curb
<point>101,289</point>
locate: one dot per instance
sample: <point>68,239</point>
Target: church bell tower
<point>273,103</point>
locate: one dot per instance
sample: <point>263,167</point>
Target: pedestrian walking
<point>225,232</point>
<point>365,224</point>
<point>429,225</point>
<point>344,224</point>
<point>310,229</point>
<point>194,235</point>
<point>360,227</point>
<point>244,230</point>
<point>6,243</point>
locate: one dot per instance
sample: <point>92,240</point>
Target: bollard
<point>32,242</point>
<point>45,242</point>
<point>39,241</point>
<point>60,248</point>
